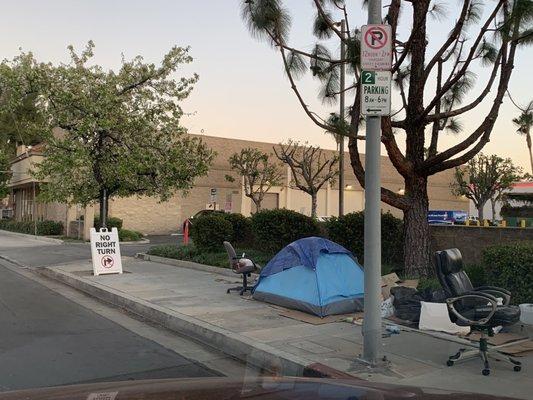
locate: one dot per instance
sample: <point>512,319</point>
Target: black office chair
<point>240,265</point>
<point>474,307</point>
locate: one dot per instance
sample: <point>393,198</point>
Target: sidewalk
<point>195,303</point>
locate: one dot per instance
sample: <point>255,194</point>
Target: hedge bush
<point>510,266</point>
<point>129,236</point>
<point>112,222</point>
<point>43,227</point>
<point>477,274</point>
<point>274,229</point>
<point>209,231</point>
<point>348,231</point>
<point>242,234</point>
<point>217,258</point>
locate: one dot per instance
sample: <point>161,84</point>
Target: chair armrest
<point>491,299</point>
<point>497,292</point>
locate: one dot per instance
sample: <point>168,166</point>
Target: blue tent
<point>314,275</point>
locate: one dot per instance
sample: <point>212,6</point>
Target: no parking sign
<point>105,250</point>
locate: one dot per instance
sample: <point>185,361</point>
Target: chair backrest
<point>232,255</point>
<point>452,277</point>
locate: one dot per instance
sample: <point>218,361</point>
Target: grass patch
<point>214,258</point>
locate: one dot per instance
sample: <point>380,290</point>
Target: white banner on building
<point>105,250</point>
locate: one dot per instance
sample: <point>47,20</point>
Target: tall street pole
<point>372,239</point>
<point>341,117</point>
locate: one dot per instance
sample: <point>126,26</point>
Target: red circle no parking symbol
<point>376,38</point>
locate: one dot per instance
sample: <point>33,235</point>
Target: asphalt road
<point>51,334</point>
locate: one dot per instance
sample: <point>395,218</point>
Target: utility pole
<point>341,117</point>
<point>372,230</point>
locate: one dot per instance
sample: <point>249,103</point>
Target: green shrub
<point>43,227</point>
<point>173,251</point>
<point>241,227</point>
<point>49,228</point>
<point>209,231</point>
<point>217,258</point>
<point>428,284</point>
<point>112,222</point>
<point>125,235</point>
<point>510,266</point>
<point>274,229</point>
<point>477,274</point>
<point>348,231</point>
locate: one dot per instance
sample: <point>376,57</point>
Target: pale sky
<point>242,92</point>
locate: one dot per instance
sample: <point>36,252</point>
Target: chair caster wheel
<point>517,368</point>
<point>486,372</point>
<point>449,363</point>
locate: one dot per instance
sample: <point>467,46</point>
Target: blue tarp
<point>314,275</point>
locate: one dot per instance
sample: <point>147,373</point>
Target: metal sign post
<point>375,55</point>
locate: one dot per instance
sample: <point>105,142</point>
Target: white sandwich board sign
<point>105,250</point>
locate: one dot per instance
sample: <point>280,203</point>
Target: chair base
<point>240,289</point>
<point>484,353</point>
<point>244,288</point>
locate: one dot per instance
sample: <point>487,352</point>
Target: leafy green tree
<point>432,73</point>
<point>485,178</point>
<point>21,121</point>
<point>310,168</point>
<point>115,133</point>
<point>257,172</point>
<point>524,122</point>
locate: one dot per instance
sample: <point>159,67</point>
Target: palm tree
<point>524,123</point>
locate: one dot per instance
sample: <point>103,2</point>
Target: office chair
<point>240,265</point>
<point>474,307</point>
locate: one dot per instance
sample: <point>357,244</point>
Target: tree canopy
<point>258,172</point>
<point>21,121</point>
<point>114,133</point>
<point>524,123</point>
<point>434,82</point>
<point>485,178</point>
<point>310,168</point>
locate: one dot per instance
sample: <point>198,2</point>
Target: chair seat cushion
<point>504,315</point>
<point>245,266</point>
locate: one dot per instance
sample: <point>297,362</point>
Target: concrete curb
<point>34,237</point>
<point>12,261</point>
<point>142,241</point>
<point>231,343</point>
<point>189,265</point>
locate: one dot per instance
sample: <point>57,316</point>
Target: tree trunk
<point>480,215</point>
<point>257,205</point>
<point>313,205</point>
<point>104,209</point>
<point>417,237</point>
<point>528,140</point>
<point>493,207</point>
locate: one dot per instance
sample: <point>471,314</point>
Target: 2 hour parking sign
<point>105,249</point>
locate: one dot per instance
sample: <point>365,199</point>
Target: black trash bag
<point>407,302</point>
<point>438,296</point>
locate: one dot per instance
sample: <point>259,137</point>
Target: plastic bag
<point>387,308</point>
<point>406,303</point>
